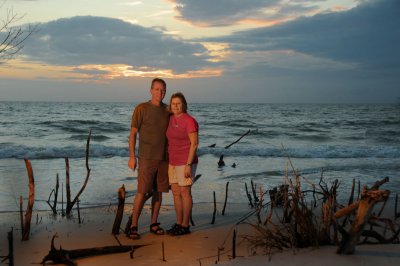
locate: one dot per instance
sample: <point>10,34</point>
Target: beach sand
<point>198,248</point>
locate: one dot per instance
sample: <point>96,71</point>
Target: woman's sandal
<point>180,230</point>
<point>173,229</point>
<point>158,231</point>
<point>133,233</point>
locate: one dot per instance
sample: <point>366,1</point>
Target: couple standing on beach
<point>161,129</point>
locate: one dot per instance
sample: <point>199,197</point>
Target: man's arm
<point>132,163</point>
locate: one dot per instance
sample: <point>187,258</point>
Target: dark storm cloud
<point>368,35</point>
<point>99,40</point>
<point>228,12</point>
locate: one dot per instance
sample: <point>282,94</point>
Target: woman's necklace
<point>175,122</point>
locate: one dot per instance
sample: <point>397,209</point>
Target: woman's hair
<point>180,96</point>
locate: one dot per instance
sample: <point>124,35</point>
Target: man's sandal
<point>133,233</point>
<point>158,230</point>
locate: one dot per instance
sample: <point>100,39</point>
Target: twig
<point>69,206</point>
<point>215,209</point>
<point>234,244</point>
<point>163,251</point>
<point>226,197</point>
<point>249,196</point>
<point>226,147</point>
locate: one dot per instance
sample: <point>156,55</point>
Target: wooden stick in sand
<point>70,204</point>
<point>55,191</point>
<point>120,210</point>
<point>215,209</point>
<point>28,214</point>
<point>226,197</point>
<point>10,256</point>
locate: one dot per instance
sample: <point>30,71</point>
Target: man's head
<point>158,90</point>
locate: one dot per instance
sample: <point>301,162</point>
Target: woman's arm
<point>194,143</point>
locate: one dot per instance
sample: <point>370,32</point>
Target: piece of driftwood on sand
<point>364,207</point>
<point>120,210</point>
<point>308,224</point>
<point>67,257</point>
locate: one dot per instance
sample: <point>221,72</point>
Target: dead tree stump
<point>364,211</point>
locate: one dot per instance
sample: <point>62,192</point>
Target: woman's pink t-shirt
<point>178,138</point>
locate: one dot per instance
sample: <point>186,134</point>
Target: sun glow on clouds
<point>118,71</point>
<point>96,73</point>
<point>217,51</point>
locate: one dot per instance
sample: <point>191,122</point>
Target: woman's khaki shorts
<point>176,174</point>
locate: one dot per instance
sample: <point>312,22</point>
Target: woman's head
<point>178,103</point>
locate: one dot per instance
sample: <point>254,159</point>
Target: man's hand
<point>132,163</point>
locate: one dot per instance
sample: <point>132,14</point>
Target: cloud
<point>228,12</point>
<point>367,35</point>
<point>90,40</point>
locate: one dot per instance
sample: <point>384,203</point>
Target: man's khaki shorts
<point>152,176</point>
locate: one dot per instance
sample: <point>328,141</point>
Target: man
<point>150,121</point>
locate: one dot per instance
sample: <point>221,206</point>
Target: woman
<point>182,135</point>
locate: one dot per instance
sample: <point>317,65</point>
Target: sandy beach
<point>198,248</point>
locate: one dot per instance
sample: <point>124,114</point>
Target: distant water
<point>336,141</point>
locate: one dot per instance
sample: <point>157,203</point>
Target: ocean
<point>336,141</point>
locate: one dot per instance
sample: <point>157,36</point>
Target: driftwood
<point>369,197</point>
<point>299,225</point>
<point>55,191</point>
<point>70,204</point>
<point>120,211</point>
<point>66,257</point>
<point>249,196</point>
<point>10,256</point>
<point>236,141</point>
<point>215,209</point>
<point>226,197</point>
<point>26,227</point>
<point>221,162</point>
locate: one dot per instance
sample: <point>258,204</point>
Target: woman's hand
<point>188,171</point>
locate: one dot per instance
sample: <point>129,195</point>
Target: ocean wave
<point>104,151</point>
<point>83,126</point>
<point>95,150</point>
<point>309,152</point>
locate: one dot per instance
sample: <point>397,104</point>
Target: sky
<point>253,51</point>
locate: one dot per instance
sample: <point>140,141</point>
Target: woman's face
<point>176,106</point>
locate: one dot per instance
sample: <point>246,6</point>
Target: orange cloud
<point>94,73</point>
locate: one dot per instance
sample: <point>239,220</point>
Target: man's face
<point>158,91</point>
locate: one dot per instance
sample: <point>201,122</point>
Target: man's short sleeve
<point>137,117</point>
